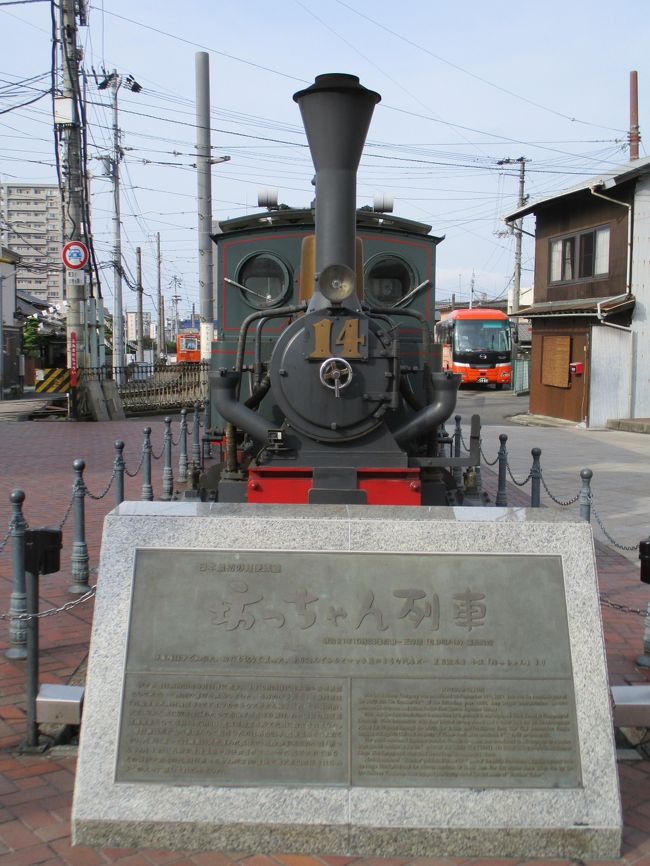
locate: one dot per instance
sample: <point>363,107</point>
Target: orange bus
<point>477,344</point>
<point>188,348</point>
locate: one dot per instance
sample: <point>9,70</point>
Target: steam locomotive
<point>326,386</point>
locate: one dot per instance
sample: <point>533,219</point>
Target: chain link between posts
<point>103,494</point>
<point>133,474</point>
<point>623,608</point>
<point>518,483</point>
<point>563,502</point>
<point>157,456</point>
<point>52,610</point>
<point>5,540</point>
<point>606,533</point>
<point>489,462</point>
<point>67,511</point>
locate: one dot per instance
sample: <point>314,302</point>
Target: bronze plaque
<point>387,669</point>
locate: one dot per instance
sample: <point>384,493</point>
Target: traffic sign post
<point>75,258</point>
<point>75,255</point>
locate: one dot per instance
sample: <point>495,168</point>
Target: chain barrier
<point>177,443</point>
<point>606,533</point>
<point>563,503</point>
<point>623,608</point>
<point>52,610</point>
<point>489,463</point>
<point>133,474</point>
<point>5,540</point>
<point>518,483</point>
<point>157,456</point>
<point>102,495</point>
<point>67,511</point>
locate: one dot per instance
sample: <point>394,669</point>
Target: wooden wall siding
<point>576,215</point>
<point>570,403</point>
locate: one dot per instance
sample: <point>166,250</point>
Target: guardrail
<point>155,387</point>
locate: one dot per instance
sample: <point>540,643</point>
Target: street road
<point>494,407</point>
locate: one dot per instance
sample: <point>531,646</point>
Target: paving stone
<point>47,480</point>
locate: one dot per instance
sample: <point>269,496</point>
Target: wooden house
<point>591,302</point>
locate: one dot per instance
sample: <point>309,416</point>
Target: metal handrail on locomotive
<point>326,385</point>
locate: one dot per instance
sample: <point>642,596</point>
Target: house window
<point>581,256</point>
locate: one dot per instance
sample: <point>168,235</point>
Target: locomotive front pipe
<point>445,386</point>
<point>336,112</point>
<point>223,393</point>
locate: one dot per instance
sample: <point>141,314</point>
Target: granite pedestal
<point>393,682</point>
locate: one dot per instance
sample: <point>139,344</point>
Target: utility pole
<point>162,348</point>
<point>471,292</point>
<point>67,120</point>
<point>204,163</point>
<point>139,318</point>
<point>175,285</point>
<point>118,318</point>
<point>204,201</point>
<point>115,81</point>
<point>522,198</point>
<point>634,136</point>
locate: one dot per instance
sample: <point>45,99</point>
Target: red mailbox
<point>577,368</point>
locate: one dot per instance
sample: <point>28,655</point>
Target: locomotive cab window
<point>264,280</point>
<point>388,280</point>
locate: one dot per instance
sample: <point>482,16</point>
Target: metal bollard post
<point>18,600</point>
<point>457,471</point>
<point>207,449</point>
<point>535,479</point>
<point>584,497</point>
<point>147,489</point>
<point>79,558</point>
<point>118,466</point>
<point>31,673</point>
<point>182,452</point>
<point>644,659</point>
<point>168,475</point>
<point>502,496</point>
<point>196,436</point>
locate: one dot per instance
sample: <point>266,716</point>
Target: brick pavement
<point>36,791</point>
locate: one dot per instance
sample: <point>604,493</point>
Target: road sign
<point>75,255</point>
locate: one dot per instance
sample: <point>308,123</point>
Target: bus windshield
<point>475,335</point>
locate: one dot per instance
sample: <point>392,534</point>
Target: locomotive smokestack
<point>336,112</point>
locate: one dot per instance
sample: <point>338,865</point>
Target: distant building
<point>10,369</point>
<point>31,225</point>
<point>148,327</point>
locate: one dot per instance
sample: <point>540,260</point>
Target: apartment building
<point>148,328</point>
<point>30,216</point>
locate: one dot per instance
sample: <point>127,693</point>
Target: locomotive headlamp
<point>336,283</point>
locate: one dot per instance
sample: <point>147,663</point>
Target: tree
<point>32,338</point>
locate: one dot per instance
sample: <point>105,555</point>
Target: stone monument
<point>347,680</point>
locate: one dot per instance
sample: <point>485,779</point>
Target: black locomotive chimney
<point>336,112</point>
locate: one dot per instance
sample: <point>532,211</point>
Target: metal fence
<point>521,375</point>
<point>156,387</point>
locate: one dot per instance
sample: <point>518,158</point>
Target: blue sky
<point>463,86</point>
